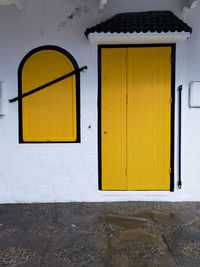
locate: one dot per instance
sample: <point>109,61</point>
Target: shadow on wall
<point>77,13</point>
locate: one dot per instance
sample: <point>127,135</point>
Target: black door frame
<point>173,71</point>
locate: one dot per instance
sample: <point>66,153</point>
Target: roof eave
<point>138,38</point>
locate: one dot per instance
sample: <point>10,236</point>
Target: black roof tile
<point>153,21</point>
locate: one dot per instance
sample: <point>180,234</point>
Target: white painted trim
<point>138,38</point>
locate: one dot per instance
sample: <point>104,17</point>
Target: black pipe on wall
<point>180,129</point>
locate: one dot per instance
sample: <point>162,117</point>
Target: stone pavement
<point>100,234</point>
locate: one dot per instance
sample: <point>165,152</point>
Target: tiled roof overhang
<point>140,27</point>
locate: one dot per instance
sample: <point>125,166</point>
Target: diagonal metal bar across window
<point>48,84</point>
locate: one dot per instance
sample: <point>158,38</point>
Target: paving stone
<point>33,210</point>
<point>191,249</point>
<point>75,245</point>
<point>80,222</point>
<point>195,224</point>
<point>158,228</point>
<point>106,229</point>
<point>79,255</point>
<point>21,222</point>
<point>163,218</point>
<point>182,236</point>
<point>166,260</point>
<point>185,246</point>
<point>102,234</point>
<point>184,217</point>
<point>6,230</point>
<point>162,261</point>
<point>185,261</point>
<point>119,261</point>
<point>24,239</point>
<point>138,236</point>
<point>124,221</point>
<point>157,216</point>
<point>139,253</point>
<point>36,262</point>
<point>52,230</point>
<point>15,255</point>
<point>187,217</point>
<point>146,214</point>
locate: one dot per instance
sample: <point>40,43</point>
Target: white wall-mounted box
<point>2,98</point>
<point>194,94</point>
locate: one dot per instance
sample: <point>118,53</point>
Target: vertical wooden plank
<point>113,114</point>
<point>149,118</point>
<point>50,114</point>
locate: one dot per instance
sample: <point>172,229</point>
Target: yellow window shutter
<point>49,115</point>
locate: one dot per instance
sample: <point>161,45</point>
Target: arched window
<point>51,114</point>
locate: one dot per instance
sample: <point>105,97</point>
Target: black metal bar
<point>48,84</point>
<point>180,124</point>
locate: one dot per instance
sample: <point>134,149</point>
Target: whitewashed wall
<point>68,172</point>
<point>191,117</point>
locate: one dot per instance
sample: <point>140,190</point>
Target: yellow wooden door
<point>149,118</point>
<point>113,114</point>
<point>136,118</point>
<point>49,114</point>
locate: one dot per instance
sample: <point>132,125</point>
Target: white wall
<point>191,117</point>
<point>68,172</point>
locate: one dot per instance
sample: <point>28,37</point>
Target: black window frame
<point>76,68</point>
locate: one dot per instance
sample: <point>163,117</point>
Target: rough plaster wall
<point>190,3</point>
<point>19,3</point>
<point>62,172</point>
<point>191,126</point>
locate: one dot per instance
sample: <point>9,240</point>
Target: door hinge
<point>170,100</point>
<point>126,172</point>
<point>127,99</point>
<point>170,170</point>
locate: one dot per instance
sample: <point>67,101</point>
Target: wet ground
<point>104,234</point>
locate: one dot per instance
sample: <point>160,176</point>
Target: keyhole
<point>105,132</point>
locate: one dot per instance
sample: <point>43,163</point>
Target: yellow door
<point>113,113</point>
<point>136,118</point>
<point>149,118</point>
<point>49,114</point>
